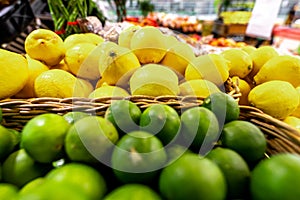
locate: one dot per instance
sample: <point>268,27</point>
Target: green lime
<point>245,138</point>
<point>90,139</point>
<point>192,176</point>
<point>235,170</point>
<point>225,107</point>
<point>32,185</point>
<point>124,114</point>
<point>132,192</point>
<point>8,191</point>
<point>200,129</point>
<point>161,120</point>
<point>53,190</point>
<point>74,116</point>
<point>175,151</point>
<point>19,168</point>
<point>7,142</point>
<point>43,137</point>
<point>82,176</point>
<point>276,178</point>
<point>137,157</point>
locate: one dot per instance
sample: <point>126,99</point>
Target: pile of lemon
<point>145,61</point>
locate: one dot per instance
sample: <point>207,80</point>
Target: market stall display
<point>116,113</point>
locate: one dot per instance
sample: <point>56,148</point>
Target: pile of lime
<point>151,153</point>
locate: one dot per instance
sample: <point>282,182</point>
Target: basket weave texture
<point>280,136</point>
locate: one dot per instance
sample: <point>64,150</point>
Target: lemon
<point>62,65</point>
<point>178,56</point>
<point>240,62</point>
<point>154,80</point>
<point>35,68</point>
<point>170,40</point>
<point>14,73</point>
<point>116,63</point>
<point>248,49</point>
<point>125,36</point>
<point>260,57</point>
<point>198,87</point>
<point>77,38</point>
<point>284,67</point>
<point>212,67</point>
<point>108,91</point>
<point>296,113</point>
<point>82,60</point>
<point>148,44</point>
<point>293,121</point>
<point>276,98</point>
<point>45,45</point>
<point>60,84</point>
<point>244,87</point>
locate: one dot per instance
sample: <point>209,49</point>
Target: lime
<point>124,114</point>
<point>82,176</point>
<point>161,120</point>
<point>175,151</point>
<point>8,191</point>
<point>137,157</point>
<point>276,178</point>
<point>225,107</point>
<point>53,190</point>
<point>192,175</point>
<point>7,143</point>
<point>200,128</point>
<point>43,137</point>
<point>19,168</point>
<point>245,138</point>
<point>32,185</point>
<point>74,116</point>
<point>90,139</point>
<point>132,192</point>
<point>235,170</point>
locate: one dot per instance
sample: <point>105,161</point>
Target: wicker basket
<point>280,136</point>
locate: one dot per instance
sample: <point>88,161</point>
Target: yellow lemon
<point>106,90</point>
<point>58,83</point>
<point>248,49</point>
<point>45,45</point>
<point>178,56</point>
<point>240,62</point>
<point>148,45</point>
<point>212,67</point>
<point>86,88</point>
<point>82,60</point>
<point>77,38</point>
<point>244,87</point>
<point>198,87</point>
<point>13,73</point>
<point>276,98</point>
<point>116,63</point>
<point>260,56</point>
<point>62,65</point>
<point>285,68</point>
<point>293,121</point>
<point>125,36</point>
<point>296,113</point>
<point>35,68</point>
<point>170,40</point>
<point>154,80</point>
